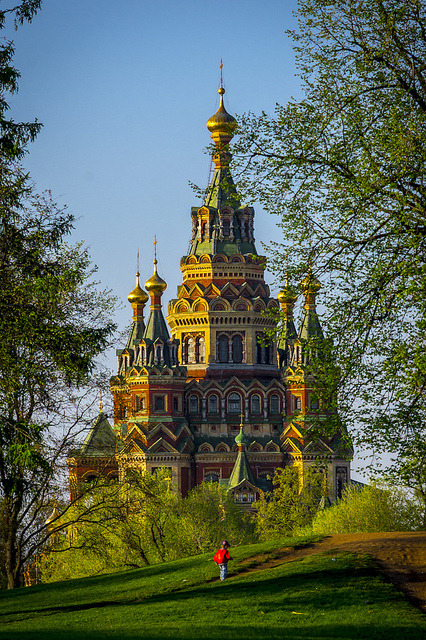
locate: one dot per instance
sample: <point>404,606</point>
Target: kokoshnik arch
<point>208,397</point>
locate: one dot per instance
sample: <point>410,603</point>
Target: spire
<point>310,327</point>
<point>101,439</point>
<point>137,298</point>
<point>242,470</point>
<point>222,127</point>
<point>287,299</point>
<point>156,337</point>
<point>222,225</point>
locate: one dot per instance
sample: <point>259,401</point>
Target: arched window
<point>185,349</point>
<point>267,349</point>
<point>159,403</point>
<point>258,353</point>
<point>255,403</point>
<point>213,404</point>
<point>191,350</point>
<point>274,404</point>
<point>234,403</point>
<point>314,403</point>
<point>193,404</point>
<point>298,403</point>
<point>237,349</point>
<point>199,349</point>
<point>222,348</point>
<point>226,225</point>
<point>211,477</point>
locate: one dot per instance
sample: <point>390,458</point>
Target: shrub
<point>369,509</point>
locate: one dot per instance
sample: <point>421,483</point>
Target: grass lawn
<point>322,596</point>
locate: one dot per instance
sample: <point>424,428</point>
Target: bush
<point>291,505</point>
<point>369,509</point>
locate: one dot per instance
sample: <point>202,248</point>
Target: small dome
<point>138,295</point>
<point>52,516</point>
<point>241,438</point>
<point>287,295</point>
<point>222,121</point>
<point>155,284</point>
<point>310,284</point>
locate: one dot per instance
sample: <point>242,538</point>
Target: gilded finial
<point>155,284</point>
<point>101,404</point>
<point>221,125</point>
<point>138,295</point>
<point>221,89</point>
<point>286,295</point>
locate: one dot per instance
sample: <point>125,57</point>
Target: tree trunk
<point>12,555</point>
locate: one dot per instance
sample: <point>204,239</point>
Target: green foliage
<point>143,522</point>
<point>206,517</point>
<point>290,506</point>
<point>53,325</point>
<point>14,136</point>
<point>344,169</point>
<point>369,509</point>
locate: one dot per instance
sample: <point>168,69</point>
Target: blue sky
<point>124,90</point>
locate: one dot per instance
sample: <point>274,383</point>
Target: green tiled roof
<point>101,439</point>
<point>241,471</point>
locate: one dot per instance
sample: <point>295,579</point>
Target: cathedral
<point>208,395</point>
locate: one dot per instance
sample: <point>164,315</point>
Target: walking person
<point>222,557</point>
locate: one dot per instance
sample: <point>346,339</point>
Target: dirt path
<point>402,557</point>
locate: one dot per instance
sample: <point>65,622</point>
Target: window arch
<point>274,404</point>
<point>237,349</point>
<point>193,404</point>
<point>185,351</point>
<point>213,403</point>
<point>211,477</point>
<point>159,403</point>
<point>222,348</point>
<point>199,349</point>
<point>314,403</point>
<point>234,403</point>
<point>255,403</point>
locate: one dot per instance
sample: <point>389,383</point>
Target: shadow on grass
<point>244,631</point>
<point>285,589</point>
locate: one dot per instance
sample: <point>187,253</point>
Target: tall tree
<point>53,325</point>
<point>14,136</point>
<point>344,169</point>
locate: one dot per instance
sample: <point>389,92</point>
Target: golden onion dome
<point>222,121</point>
<point>155,284</point>
<point>138,295</point>
<point>310,284</point>
<point>287,295</point>
<point>53,515</point>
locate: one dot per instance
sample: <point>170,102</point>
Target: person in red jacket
<point>222,557</point>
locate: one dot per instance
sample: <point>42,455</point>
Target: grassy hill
<point>334,595</point>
